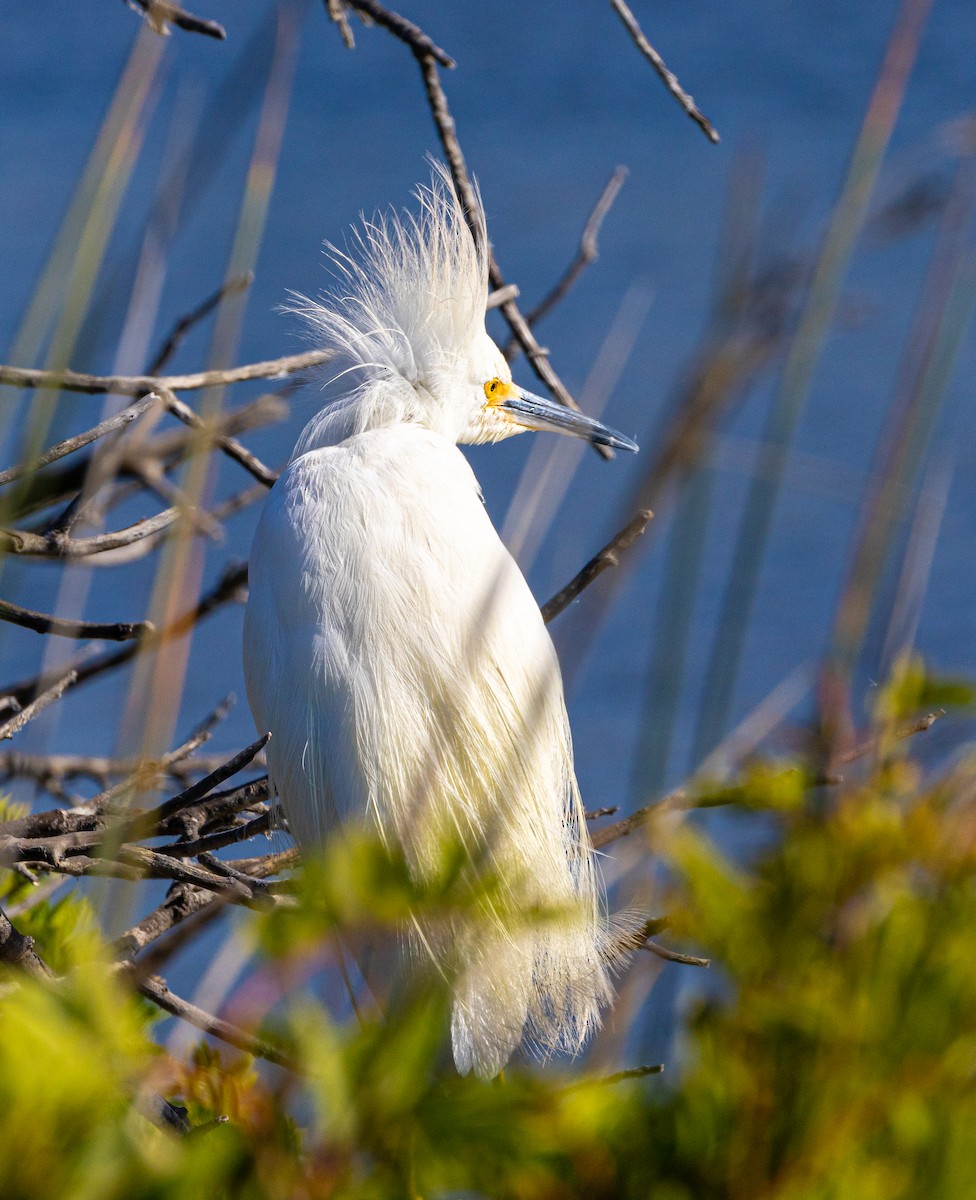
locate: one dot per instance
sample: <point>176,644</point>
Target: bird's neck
<point>378,404</point>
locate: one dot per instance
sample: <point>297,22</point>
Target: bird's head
<point>407,320</point>
<point>499,408</point>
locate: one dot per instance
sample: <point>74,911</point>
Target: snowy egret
<point>395,652</point>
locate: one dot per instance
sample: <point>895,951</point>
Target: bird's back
<point>393,649</point>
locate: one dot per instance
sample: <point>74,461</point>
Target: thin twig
<point>160,13</point>
<point>616,1077</point>
<point>668,78</point>
<point>689,960</point>
<point>500,296</point>
<point>155,989</point>
<point>588,253</point>
<point>137,778</point>
<point>154,479</point>
<point>627,825</point>
<point>43,701</point>
<point>119,631</point>
<point>405,30</point>
<point>37,895</point>
<point>69,445</point>
<point>217,841</point>
<point>168,448</point>
<point>137,385</point>
<point>185,323</point>
<point>192,794</point>
<point>608,557</point>
<point>870,744</point>
<point>337,14</point>
<point>229,587</point>
<point>56,545</point>
<point>230,446</point>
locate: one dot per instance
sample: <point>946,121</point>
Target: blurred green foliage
<point>833,1055</point>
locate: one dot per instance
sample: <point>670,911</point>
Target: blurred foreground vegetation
<point>833,1057</point>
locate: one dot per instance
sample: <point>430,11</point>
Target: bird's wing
<point>386,623</point>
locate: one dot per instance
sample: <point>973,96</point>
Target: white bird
<point>393,649</point>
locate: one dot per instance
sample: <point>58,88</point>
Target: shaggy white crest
<point>408,308</point>
<point>396,654</point>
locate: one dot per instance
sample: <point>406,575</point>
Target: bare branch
<point>337,14</point>
<point>185,323</point>
<point>229,587</point>
<point>401,28</point>
<point>121,631</point>
<point>155,989</point>
<point>139,776</point>
<point>66,855</point>
<point>135,541</point>
<point>159,14</point>
<point>247,882</point>
<point>187,904</point>
<point>217,841</point>
<point>668,78</point>
<point>689,960</point>
<point>192,794</point>
<point>501,296</point>
<point>267,864</point>
<point>152,865</point>
<point>50,837</point>
<point>183,903</point>
<point>18,951</point>
<point>616,1077</point>
<point>627,825</point>
<point>69,445</point>
<point>137,385</point>
<point>609,556</point>
<point>588,250</point>
<point>230,446</point>
<point>43,701</point>
<point>57,545</point>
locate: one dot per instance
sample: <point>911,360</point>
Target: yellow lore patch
<point>497,391</point>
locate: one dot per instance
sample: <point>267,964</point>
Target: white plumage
<point>395,652</point>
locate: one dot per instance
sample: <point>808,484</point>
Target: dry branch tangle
<point>95,839</point>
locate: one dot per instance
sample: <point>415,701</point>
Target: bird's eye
<point>491,389</point>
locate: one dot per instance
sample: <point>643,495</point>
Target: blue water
<point>548,100</point>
